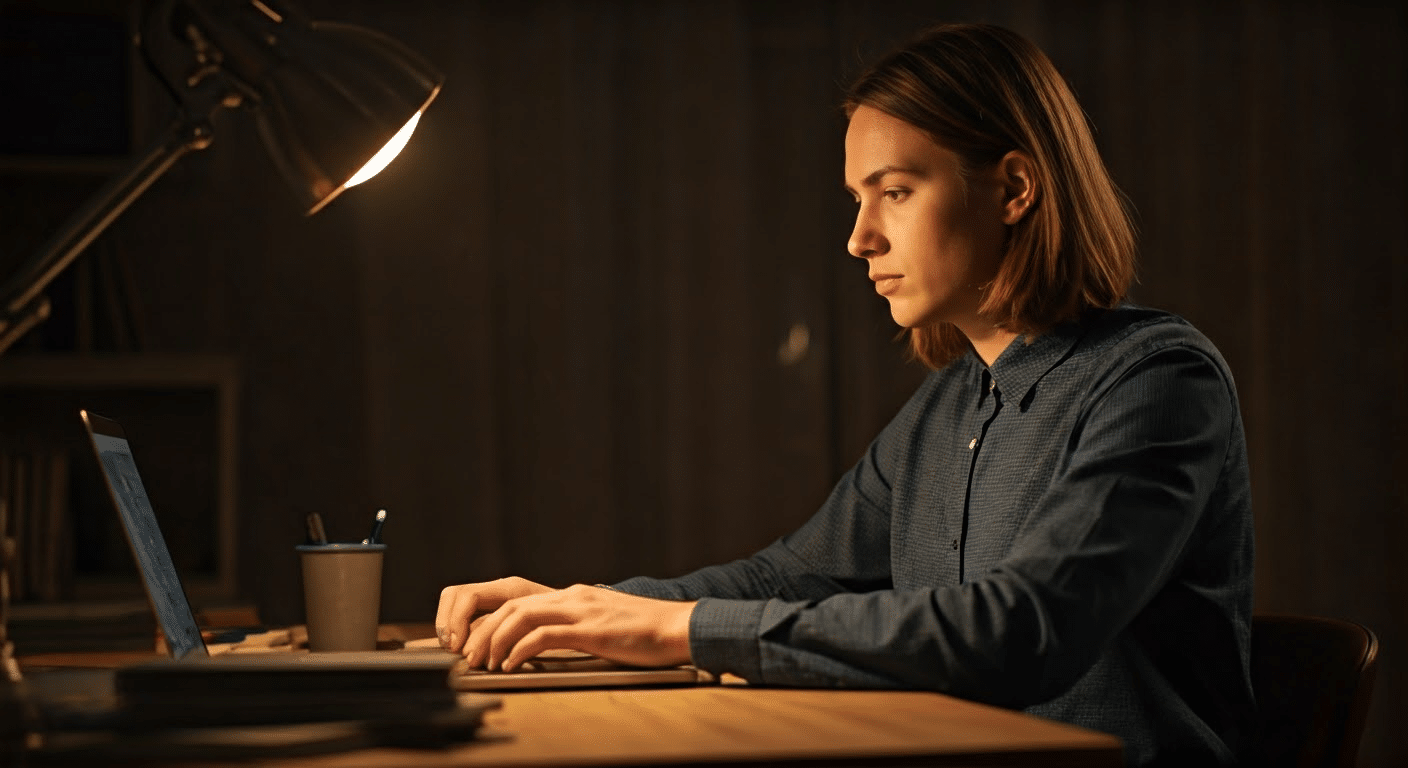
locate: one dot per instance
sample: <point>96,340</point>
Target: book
<point>285,688</point>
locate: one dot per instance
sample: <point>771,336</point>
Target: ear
<point>1017,173</point>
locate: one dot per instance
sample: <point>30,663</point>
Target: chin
<point>905,317</point>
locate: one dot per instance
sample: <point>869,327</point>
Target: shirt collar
<point>1022,364</point>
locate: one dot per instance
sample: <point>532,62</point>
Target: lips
<point>886,284</point>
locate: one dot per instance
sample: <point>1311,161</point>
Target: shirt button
<point>955,543</point>
<point>972,443</point>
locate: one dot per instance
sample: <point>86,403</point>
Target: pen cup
<point>341,595</point>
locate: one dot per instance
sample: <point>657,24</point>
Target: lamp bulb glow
<point>386,154</point>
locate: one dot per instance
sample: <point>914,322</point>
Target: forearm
<point>775,572</point>
<point>982,641</point>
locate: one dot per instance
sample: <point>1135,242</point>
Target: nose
<point>866,240</point>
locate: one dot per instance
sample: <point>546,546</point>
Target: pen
<point>316,534</point>
<point>376,528</point>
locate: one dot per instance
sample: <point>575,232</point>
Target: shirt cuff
<point>723,637</point>
<point>645,587</point>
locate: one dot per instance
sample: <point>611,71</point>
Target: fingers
<point>619,627</point>
<point>442,615</point>
<point>495,634</point>
<point>457,605</point>
<point>442,610</point>
<point>538,640</point>
<point>476,650</point>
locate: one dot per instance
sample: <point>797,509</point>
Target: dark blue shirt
<point>1068,531</point>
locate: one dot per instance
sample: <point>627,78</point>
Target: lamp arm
<point>24,304</point>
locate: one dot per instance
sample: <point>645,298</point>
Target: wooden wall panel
<point>612,264</point>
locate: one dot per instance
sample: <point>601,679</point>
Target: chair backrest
<point>1312,677</point>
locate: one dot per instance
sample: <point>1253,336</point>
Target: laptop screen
<point>168,598</point>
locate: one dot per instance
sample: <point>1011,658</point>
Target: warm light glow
<point>387,153</point>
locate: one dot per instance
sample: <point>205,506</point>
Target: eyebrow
<point>879,173</point>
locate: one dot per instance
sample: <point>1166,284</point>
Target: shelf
<point>98,371</point>
<point>41,397</point>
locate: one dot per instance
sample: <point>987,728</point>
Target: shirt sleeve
<point>843,548</point>
<point>1141,464</point>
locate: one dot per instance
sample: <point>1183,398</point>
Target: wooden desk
<point>739,725</point>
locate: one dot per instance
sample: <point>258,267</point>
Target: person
<point>1058,520</point>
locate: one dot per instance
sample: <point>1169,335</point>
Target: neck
<point>988,341</point>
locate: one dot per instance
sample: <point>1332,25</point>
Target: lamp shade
<point>339,94</point>
<point>327,96</point>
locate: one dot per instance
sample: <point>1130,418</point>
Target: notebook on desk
<point>187,648</point>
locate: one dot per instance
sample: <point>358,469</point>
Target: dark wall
<point>598,319</point>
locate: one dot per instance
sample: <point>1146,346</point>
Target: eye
<point>896,194</point>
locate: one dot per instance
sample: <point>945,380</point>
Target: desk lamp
<point>334,104</point>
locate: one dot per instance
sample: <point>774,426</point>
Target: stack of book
<point>285,688</point>
<point>255,706</point>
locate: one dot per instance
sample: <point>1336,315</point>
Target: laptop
<point>192,658</point>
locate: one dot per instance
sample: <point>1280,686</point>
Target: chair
<point>1312,677</point>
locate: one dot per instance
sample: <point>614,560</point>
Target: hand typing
<point>460,603</point>
<point>529,618</point>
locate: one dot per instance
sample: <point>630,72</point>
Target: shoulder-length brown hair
<point>982,91</point>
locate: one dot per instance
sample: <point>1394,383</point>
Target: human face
<point>931,238</point>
